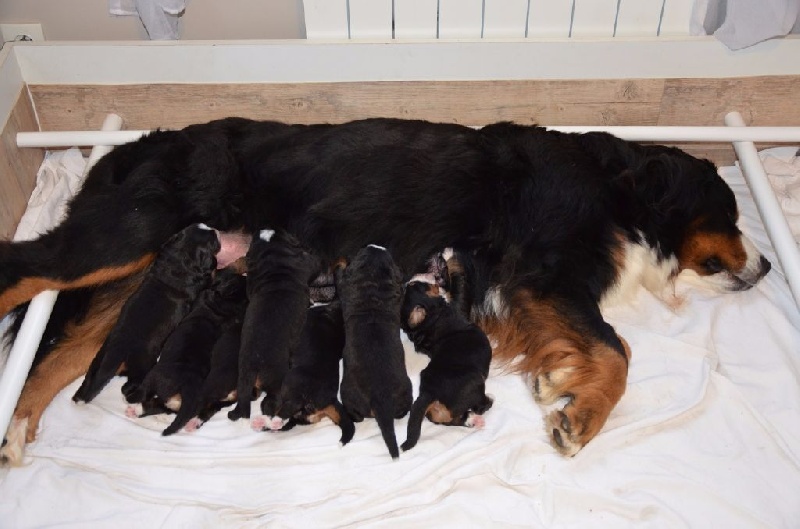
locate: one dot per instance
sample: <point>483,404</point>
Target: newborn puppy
<point>310,389</point>
<point>452,386</point>
<point>179,273</point>
<point>279,270</point>
<point>219,387</point>
<point>177,378</point>
<point>375,382</point>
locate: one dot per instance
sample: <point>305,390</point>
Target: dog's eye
<point>713,265</point>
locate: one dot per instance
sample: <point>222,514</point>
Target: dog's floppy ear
<point>417,316</point>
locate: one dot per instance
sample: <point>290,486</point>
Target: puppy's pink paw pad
<point>133,411</point>
<point>276,423</point>
<point>475,421</point>
<point>259,423</point>
<point>193,425</point>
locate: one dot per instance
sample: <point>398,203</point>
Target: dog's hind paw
<point>475,421</point>
<point>193,424</point>
<point>259,423</point>
<point>13,448</point>
<point>134,411</point>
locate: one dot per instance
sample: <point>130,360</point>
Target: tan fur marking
<point>71,357</point>
<point>454,266</point>
<point>438,413</point>
<point>28,287</point>
<point>592,374</point>
<point>433,291</point>
<point>699,246</point>
<point>416,317</point>
<point>332,414</point>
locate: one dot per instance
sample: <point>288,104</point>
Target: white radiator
<point>459,19</point>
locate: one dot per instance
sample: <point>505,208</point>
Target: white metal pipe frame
<point>644,133</point>
<point>742,137</point>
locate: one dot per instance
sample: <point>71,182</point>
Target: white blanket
<point>707,435</point>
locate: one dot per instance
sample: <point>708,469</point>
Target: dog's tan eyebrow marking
<point>28,287</point>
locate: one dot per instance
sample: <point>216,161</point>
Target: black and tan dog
<point>310,389</point>
<point>279,271</point>
<point>573,221</point>
<point>453,385</point>
<point>375,382</point>
<point>185,360</point>
<point>181,271</point>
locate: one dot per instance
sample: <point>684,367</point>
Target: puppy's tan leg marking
<point>438,413</point>
<point>25,289</point>
<point>561,362</point>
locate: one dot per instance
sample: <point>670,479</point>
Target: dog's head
<point>695,214</point>
<point>422,303</point>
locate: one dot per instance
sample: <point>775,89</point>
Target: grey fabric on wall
<point>742,23</point>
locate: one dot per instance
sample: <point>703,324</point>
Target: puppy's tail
<point>384,415</point>
<point>190,403</point>
<point>415,420</point>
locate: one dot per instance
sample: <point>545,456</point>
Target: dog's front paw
<point>475,421</point>
<point>13,448</point>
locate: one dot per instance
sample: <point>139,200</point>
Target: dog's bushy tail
<point>190,404</point>
<point>415,420</point>
<point>383,406</point>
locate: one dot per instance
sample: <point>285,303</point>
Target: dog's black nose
<point>766,266</point>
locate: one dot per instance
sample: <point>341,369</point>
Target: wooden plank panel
<point>460,19</point>
<point>767,100</point>
<point>677,15</point>
<point>415,19</point>
<point>603,102</point>
<point>505,18</point>
<point>594,18</point>
<point>18,167</point>
<point>370,19</point>
<point>638,18</point>
<point>550,18</point>
<point>326,19</point>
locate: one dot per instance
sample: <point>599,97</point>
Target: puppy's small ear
<point>417,316</point>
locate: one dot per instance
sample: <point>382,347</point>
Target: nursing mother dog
<point>563,221</point>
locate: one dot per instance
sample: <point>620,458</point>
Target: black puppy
<point>375,382</point>
<point>185,361</point>
<point>179,273</point>
<point>310,389</point>
<point>219,387</point>
<point>452,386</point>
<point>279,270</point>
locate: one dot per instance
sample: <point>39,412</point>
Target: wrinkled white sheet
<point>707,435</point>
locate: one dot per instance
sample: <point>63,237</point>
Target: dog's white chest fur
<point>641,267</point>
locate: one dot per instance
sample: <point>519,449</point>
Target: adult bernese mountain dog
<point>563,221</point>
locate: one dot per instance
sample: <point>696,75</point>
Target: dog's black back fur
<point>460,356</point>
<point>375,381</point>
<point>180,272</point>
<point>279,270</point>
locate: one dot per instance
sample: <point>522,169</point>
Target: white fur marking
<point>641,267</point>
<point>376,246</point>
<point>12,453</point>
<point>266,235</point>
<point>475,421</point>
<point>134,411</point>
<point>204,226</point>
<point>423,278</point>
<point>494,304</point>
<point>447,254</point>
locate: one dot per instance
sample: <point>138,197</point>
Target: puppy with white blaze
<point>375,382</point>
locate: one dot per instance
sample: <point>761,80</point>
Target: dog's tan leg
<point>68,360</point>
<point>565,362</point>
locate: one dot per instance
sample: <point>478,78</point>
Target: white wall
<point>203,19</point>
